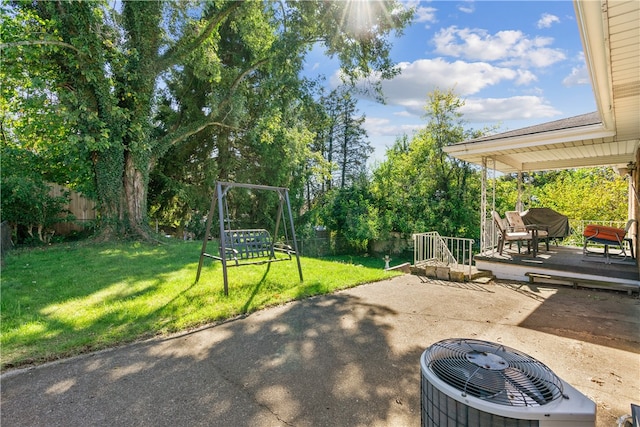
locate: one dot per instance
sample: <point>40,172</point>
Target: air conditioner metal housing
<point>467,382</point>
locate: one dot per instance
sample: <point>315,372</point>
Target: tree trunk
<point>135,195</point>
<point>108,170</point>
<point>329,180</point>
<point>345,150</point>
<point>224,159</point>
<point>122,195</point>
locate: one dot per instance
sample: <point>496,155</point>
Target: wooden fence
<point>82,208</point>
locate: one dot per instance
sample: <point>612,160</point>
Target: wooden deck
<point>562,262</point>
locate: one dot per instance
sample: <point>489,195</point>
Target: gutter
<point>592,20</point>
<point>589,132</point>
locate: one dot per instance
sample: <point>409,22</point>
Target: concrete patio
<point>346,359</point>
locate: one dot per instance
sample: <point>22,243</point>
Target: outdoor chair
<point>608,236</point>
<point>506,234</point>
<point>539,232</point>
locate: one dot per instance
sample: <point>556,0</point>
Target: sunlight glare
<point>358,17</point>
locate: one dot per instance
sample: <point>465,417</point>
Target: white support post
<point>519,206</point>
<point>483,206</point>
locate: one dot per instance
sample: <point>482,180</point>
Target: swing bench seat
<point>245,247</point>
<point>254,246</point>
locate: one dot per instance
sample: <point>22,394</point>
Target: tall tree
<point>233,153</point>
<point>350,214</point>
<point>419,187</point>
<point>341,141</point>
<point>355,148</point>
<point>108,65</point>
<point>453,205</point>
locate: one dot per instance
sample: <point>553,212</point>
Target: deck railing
<point>447,251</point>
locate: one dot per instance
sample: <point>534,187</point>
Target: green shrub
<point>25,202</point>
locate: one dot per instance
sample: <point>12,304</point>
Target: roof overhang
<point>583,146</point>
<point>610,33</point>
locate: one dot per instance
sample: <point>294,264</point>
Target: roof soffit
<point>530,141</point>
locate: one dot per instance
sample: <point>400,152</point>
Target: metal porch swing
<point>248,246</point>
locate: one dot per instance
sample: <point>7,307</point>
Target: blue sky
<point>514,63</point>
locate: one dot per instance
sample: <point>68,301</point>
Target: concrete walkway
<point>346,359</point>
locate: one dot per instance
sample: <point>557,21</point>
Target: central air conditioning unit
<point>474,383</point>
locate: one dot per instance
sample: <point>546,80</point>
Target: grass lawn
<point>73,298</point>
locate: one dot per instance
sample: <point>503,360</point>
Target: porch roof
<point>610,32</point>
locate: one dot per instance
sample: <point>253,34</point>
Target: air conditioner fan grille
<point>493,372</point>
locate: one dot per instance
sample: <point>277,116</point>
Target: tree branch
<point>172,139</point>
<point>183,47</point>
<point>37,42</point>
<point>167,142</point>
<point>238,80</point>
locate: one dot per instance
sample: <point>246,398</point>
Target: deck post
<point>483,206</point>
<point>519,206</point>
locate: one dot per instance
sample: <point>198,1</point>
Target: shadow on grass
<point>256,288</point>
<point>73,298</point>
<point>55,304</point>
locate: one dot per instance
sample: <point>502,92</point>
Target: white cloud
<point>534,91</point>
<point>546,20</point>
<point>418,78</point>
<point>510,48</point>
<point>403,114</point>
<point>422,14</point>
<point>537,58</point>
<point>496,110</point>
<point>525,77</point>
<point>477,112</point>
<point>410,88</point>
<point>467,7</point>
<point>578,76</point>
<point>482,111</point>
<point>425,14</point>
<point>376,126</point>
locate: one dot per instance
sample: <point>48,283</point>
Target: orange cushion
<point>603,232</point>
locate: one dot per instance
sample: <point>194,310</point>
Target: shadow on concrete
<point>599,317</point>
<point>345,359</point>
<point>322,361</point>
<point>471,286</point>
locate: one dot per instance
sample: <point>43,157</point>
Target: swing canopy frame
<point>248,246</point>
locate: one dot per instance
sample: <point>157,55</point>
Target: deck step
<point>479,275</point>
<point>454,274</point>
<point>483,280</point>
<point>579,281</point>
